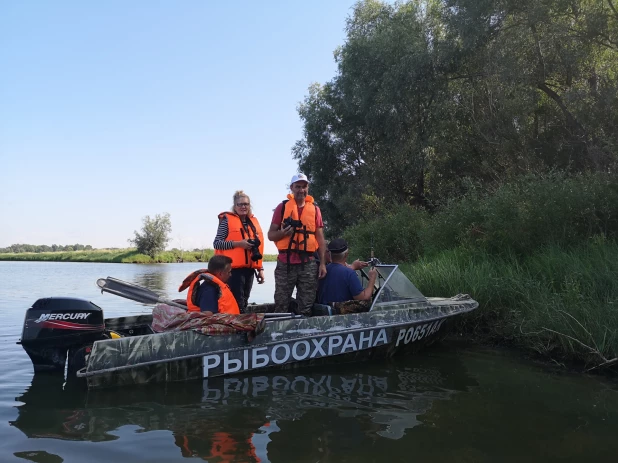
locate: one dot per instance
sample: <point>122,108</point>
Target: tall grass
<point>561,303</point>
<point>539,254</point>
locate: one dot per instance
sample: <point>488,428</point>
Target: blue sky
<point>111,111</point>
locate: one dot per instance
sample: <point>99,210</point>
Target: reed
<point>562,303</point>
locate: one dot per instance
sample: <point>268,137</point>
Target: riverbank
<point>120,256</point>
<point>540,254</point>
<point>561,304</point>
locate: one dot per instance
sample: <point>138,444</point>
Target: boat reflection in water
<point>258,417</point>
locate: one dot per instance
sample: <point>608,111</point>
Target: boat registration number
<point>418,332</point>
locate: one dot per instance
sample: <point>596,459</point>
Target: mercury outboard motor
<point>56,324</point>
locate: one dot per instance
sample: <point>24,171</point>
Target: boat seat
<point>318,310</point>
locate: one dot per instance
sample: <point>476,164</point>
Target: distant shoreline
<point>117,256</point>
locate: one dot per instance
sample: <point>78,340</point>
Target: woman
<point>240,237</point>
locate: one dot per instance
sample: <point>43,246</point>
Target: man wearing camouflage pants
<point>298,231</point>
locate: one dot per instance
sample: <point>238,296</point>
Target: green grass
<point>538,253</point>
<point>99,255</point>
<point>555,302</point>
<point>130,256</point>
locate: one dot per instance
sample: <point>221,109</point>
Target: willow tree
<point>431,96</point>
<point>539,86</point>
<point>366,134</point>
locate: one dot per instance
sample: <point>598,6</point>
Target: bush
<point>394,237</point>
<point>528,214</point>
<point>518,218</point>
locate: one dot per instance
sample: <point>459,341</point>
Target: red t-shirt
<point>278,218</point>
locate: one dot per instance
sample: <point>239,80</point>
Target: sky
<point>112,111</point>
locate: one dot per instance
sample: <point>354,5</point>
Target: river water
<point>450,403</point>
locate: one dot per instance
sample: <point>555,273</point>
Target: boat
<point>68,332</point>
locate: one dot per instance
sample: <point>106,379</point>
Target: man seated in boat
<point>210,296</point>
<point>208,290</point>
<point>356,265</point>
<point>341,288</point>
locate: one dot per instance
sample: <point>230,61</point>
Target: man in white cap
<point>297,230</point>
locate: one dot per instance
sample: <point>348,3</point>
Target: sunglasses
<point>243,205</point>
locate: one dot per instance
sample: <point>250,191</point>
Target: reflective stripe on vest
<point>241,258</point>
<point>306,233</point>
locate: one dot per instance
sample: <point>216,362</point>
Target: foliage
<point>98,255</point>
<point>527,214</point>
<point>18,248</point>
<point>480,136</point>
<point>518,218</point>
<point>554,302</point>
<point>433,96</point>
<point>128,256</point>
<point>394,237</point>
<point>540,254</point>
<point>154,236</point>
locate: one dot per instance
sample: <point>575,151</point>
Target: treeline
<point>477,142</point>
<point>37,248</point>
<point>433,99</point>
<point>115,255</point>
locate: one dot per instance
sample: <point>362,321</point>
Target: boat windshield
<point>391,287</point>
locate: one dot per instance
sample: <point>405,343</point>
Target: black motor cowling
<point>54,325</point>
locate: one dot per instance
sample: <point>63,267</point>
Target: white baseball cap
<point>299,178</point>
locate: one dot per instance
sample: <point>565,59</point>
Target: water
<point>450,403</point>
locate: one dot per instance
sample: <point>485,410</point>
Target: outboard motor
<point>56,324</point>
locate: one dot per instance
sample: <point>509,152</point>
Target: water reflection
<point>153,279</point>
<point>255,417</point>
<point>39,456</point>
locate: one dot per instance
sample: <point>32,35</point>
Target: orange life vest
<point>224,447</point>
<point>227,302</point>
<point>303,240</point>
<point>241,258</point>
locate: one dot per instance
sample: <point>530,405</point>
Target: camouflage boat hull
<point>72,333</point>
<point>285,344</point>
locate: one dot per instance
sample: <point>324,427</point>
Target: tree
<point>433,96</point>
<point>154,236</point>
<point>367,130</point>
